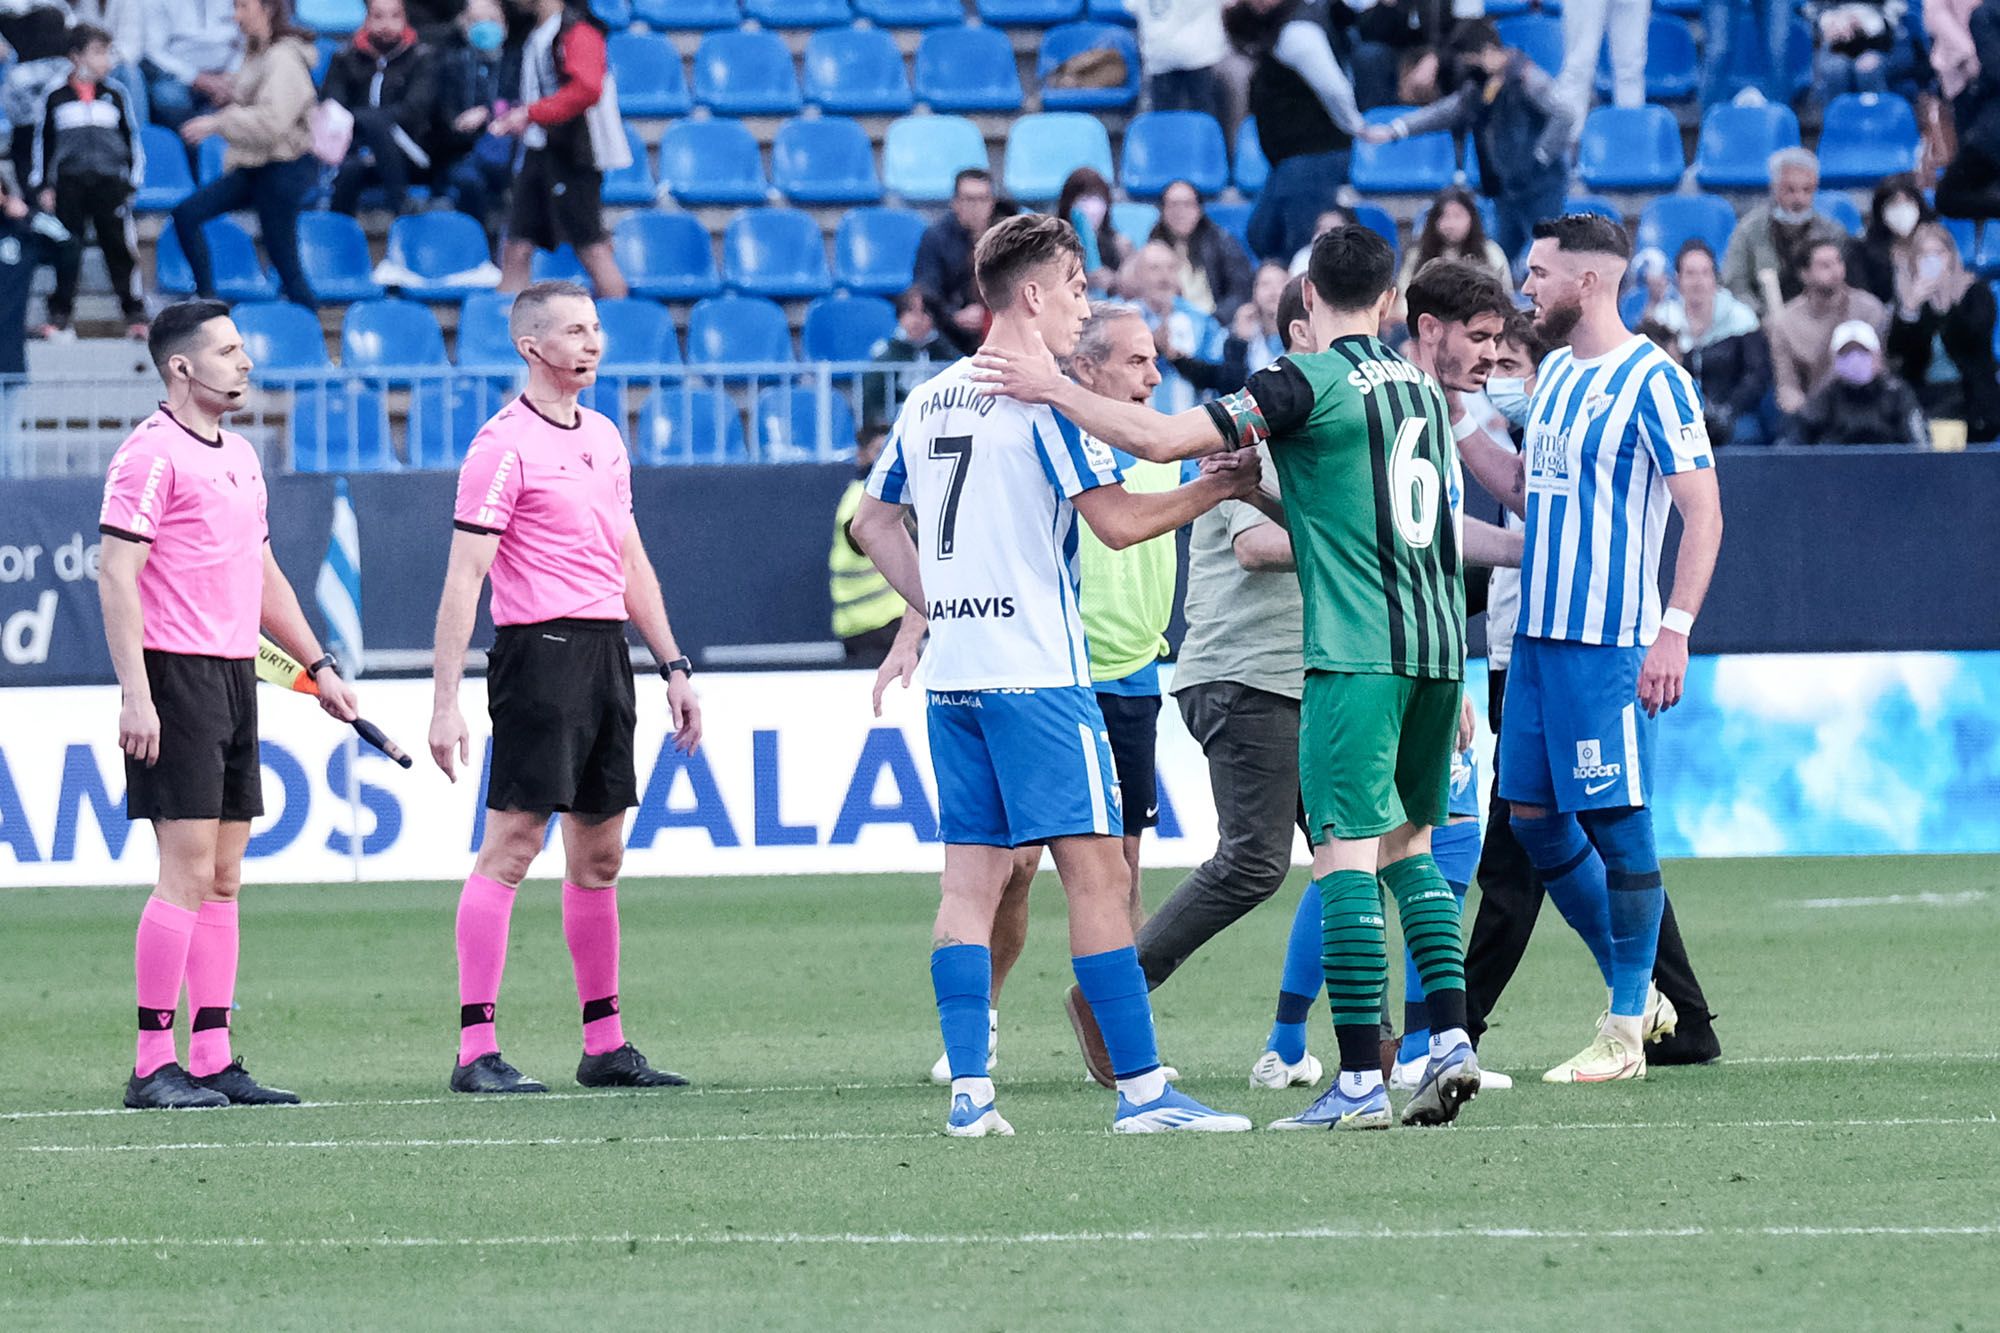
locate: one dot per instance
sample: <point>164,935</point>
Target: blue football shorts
<point>1022,766</point>
<point>1572,734</point>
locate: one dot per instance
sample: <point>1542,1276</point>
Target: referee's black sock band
<point>472,1015</point>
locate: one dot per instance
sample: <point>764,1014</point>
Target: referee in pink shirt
<point>545,508</point>
<point>186,579</point>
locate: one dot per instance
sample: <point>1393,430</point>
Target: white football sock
<point>1359,1082</point>
<point>1143,1088</point>
<point>1627,1028</point>
<point>1442,1042</point>
<point>979,1089</point>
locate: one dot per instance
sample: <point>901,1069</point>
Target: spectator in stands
<point>86,168</point>
<point>1853,42</point>
<point>1802,333</point>
<point>36,34</point>
<point>435,19</point>
<point>1453,229</point>
<point>1970,185</point>
<point>1954,59</point>
<point>475,71</point>
<point>268,163</point>
<point>1940,306</point>
<point>1192,346</point>
<point>1307,119</point>
<point>1586,24</point>
<point>916,349</point>
<point>1324,223</point>
<point>1649,283</point>
<point>1770,67</point>
<point>1898,209</point>
<point>191,48</point>
<point>570,136</point>
<point>27,241</point>
<point>1254,335</point>
<point>943,269</point>
<point>1086,201</point>
<point>125,20</point>
<point>1215,273</point>
<point>1392,49</point>
<point>1520,127</point>
<point>1181,43</point>
<point>388,80</point>
<point>1766,255</point>
<point>867,612</point>
<point>1860,401</point>
<point>1717,338</point>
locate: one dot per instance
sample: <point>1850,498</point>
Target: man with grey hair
<point>545,507</point>
<point>1768,250</point>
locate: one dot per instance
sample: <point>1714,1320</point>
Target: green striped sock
<point>1353,949</point>
<point>1429,912</point>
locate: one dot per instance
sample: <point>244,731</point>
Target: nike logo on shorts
<point>1605,785</point>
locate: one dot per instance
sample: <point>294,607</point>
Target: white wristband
<point>1464,428</point>
<point>1677,620</point>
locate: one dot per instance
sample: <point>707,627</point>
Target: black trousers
<point>100,205</point>
<point>1510,898</point>
<point>386,164</point>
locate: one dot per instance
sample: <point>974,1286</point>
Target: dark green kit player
<point>1363,445</point>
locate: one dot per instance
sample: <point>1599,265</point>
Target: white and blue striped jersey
<point>990,480</point>
<point>1603,436</point>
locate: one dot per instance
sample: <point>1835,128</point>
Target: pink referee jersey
<point>560,500</point>
<point>200,504</point>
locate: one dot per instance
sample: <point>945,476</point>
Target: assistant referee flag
<point>339,586</point>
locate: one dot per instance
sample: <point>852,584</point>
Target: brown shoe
<point>1096,1060</point>
<point>1390,1049</point>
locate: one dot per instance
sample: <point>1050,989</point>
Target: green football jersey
<point>1363,446</point>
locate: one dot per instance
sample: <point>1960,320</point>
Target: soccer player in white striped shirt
<point>1614,432</point>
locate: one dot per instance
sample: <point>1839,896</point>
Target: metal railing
<point>390,419</point>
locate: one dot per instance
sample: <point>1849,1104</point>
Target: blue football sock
<point>962,977</point>
<point>1298,985</point>
<point>1636,896</point>
<point>1573,874</point>
<point>1114,985</point>
<point>1455,848</point>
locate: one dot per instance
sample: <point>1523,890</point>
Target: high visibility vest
<point>862,598</point>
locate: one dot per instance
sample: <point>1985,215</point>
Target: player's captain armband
<point>1239,420</point>
<point>1274,402</point>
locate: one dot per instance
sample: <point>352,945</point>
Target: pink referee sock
<point>159,957</point>
<point>484,909</point>
<point>211,986</point>
<point>590,925</point>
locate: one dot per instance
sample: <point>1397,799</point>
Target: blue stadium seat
<point>342,426</point>
<point>745,74</point>
<point>922,154</point>
<point>1670,221</point>
<point>239,276</point>
<point>280,336</point>
<point>324,50</point>
<point>391,336</point>
<point>167,180</point>
<point>330,16</point>
<point>911,13</point>
<point>682,425</point>
<point>1162,147</point>
<point>1594,203</point>
<point>1866,136</point>
<point>558,265</point>
<point>1109,11</point>
<point>1029,13</point>
<point>615,15</point>
<point>1252,168</point>
<point>712,162</point>
<point>799,13</point>
<point>1538,36</point>
<point>334,250</point>
<point>1073,39</point>
<point>967,69</point>
<point>1043,148</point>
<point>845,328</point>
<point>448,252</point>
<point>1673,70</point>
<point>208,158</point>
<point>1134,221</point>
<point>826,160</point>
<point>665,256</point>
<point>1377,219</point>
<point>1234,219</point>
<point>686,14</point>
<point>875,249</point>
<point>726,329</point>
<point>787,423</point>
<point>1421,164</point>
<point>856,72</point>
<point>632,184</point>
<point>1631,148</point>
<point>637,333</point>
<point>775,252</point>
<point>1840,206</point>
<point>483,340</point>
<point>1736,144</point>
<point>648,72</point>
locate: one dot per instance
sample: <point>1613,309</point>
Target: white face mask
<point>1093,209</point>
<point>1901,217</point>
<point>1509,398</point>
<point>1930,267</point>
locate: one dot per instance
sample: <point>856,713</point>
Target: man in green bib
<point>1363,444</point>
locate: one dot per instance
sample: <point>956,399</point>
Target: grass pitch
<point>1840,1170</point>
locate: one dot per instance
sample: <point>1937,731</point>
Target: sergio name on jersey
<point>990,480</point>
<point>1603,437</point>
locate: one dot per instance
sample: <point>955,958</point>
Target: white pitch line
<point>867,1136</point>
<point>890,1238</point>
<point>1960,899</point>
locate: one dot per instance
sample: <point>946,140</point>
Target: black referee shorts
<point>1132,721</point>
<point>561,699</point>
<point>554,202</point>
<point>208,766</point>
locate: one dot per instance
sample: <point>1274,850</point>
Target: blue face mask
<point>486,36</point>
<point>1510,399</point>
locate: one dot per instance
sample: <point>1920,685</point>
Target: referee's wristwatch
<point>327,663</point>
<point>680,664</point>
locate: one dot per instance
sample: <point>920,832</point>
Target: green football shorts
<point>1375,751</point>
